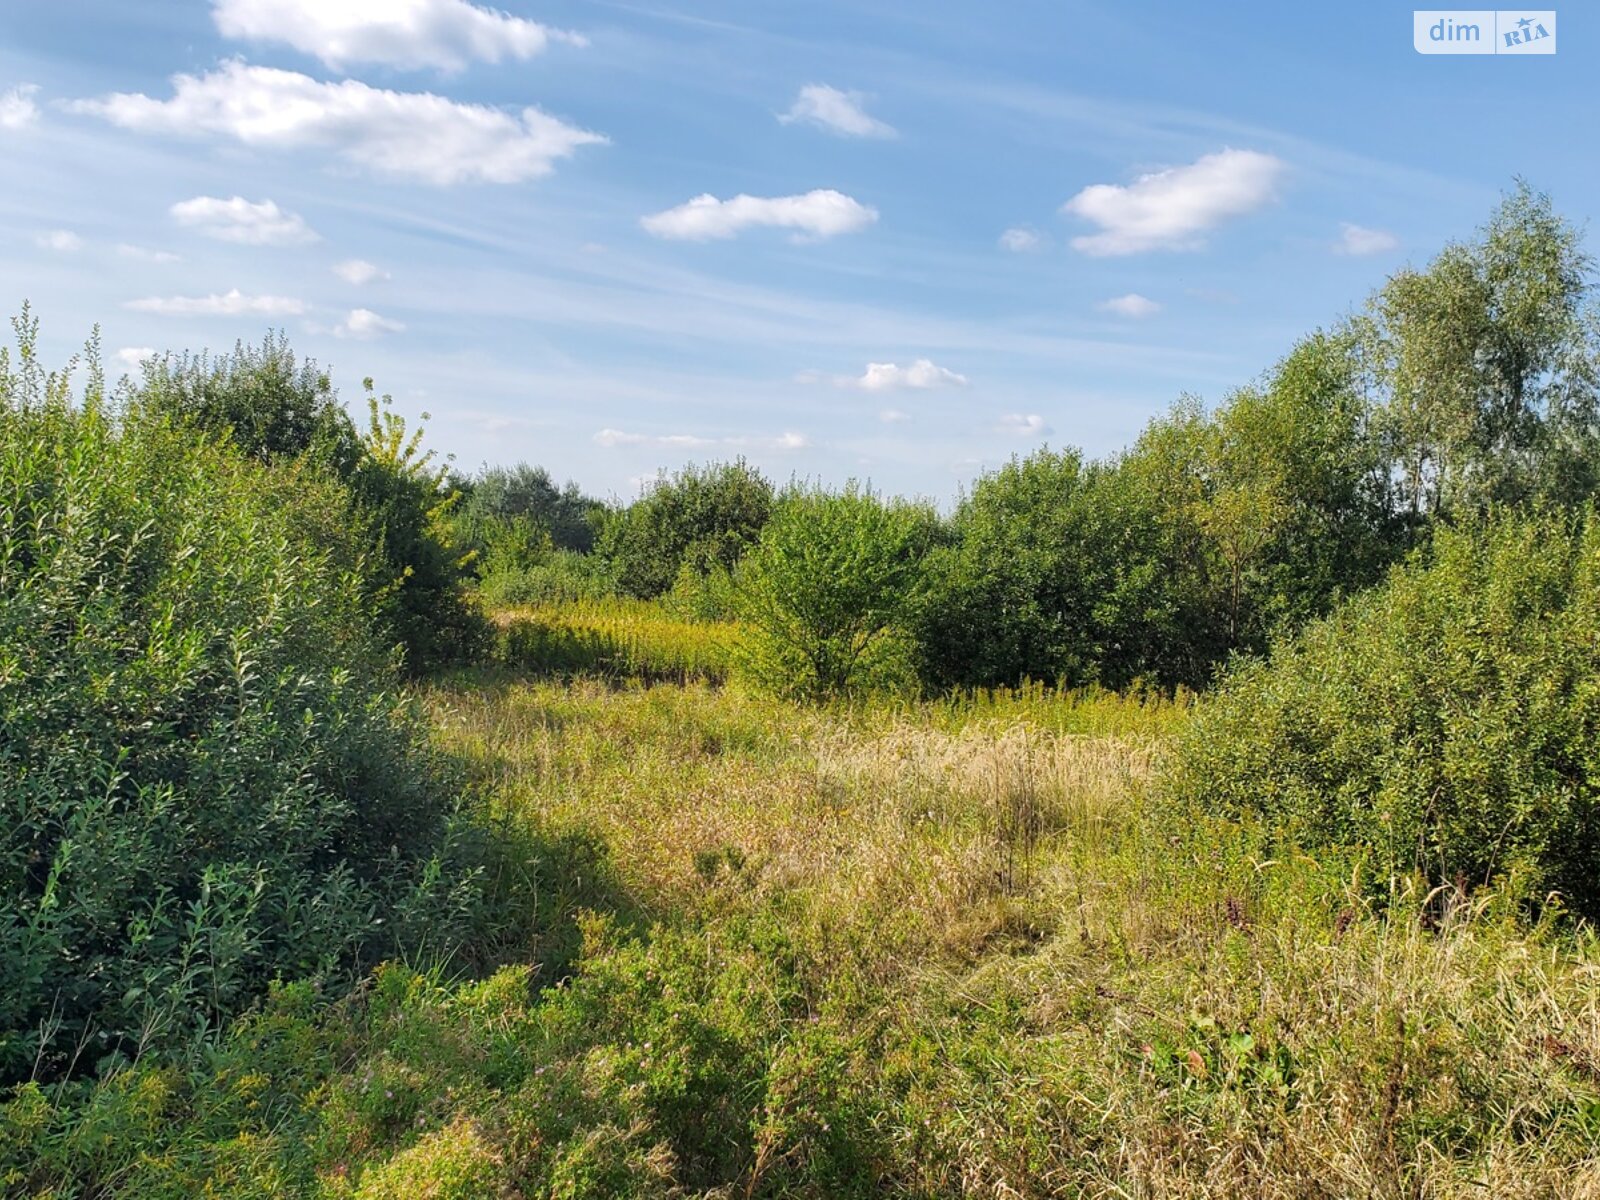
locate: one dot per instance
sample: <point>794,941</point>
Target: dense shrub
<point>526,493</point>
<point>272,404</point>
<point>560,576</point>
<point>701,517</point>
<point>1445,723</point>
<point>827,594</point>
<point>404,501</point>
<point>207,780</point>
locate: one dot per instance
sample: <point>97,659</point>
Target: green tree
<point>405,499</point>
<point>272,404</point>
<point>828,592</point>
<point>700,517</point>
<point>1487,365</point>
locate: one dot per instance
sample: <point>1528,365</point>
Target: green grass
<point>627,639</point>
<point>923,950</point>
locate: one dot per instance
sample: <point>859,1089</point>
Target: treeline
<point>213,582</point>
<point>1460,388</point>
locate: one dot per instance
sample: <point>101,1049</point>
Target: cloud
<point>145,254</point>
<point>239,220</point>
<point>836,111</point>
<point>686,441</point>
<point>1131,305</point>
<point>58,239</point>
<point>231,304</point>
<point>1023,425</point>
<point>893,416</point>
<point>363,323</point>
<point>399,33</point>
<point>359,271</point>
<point>132,357</point>
<point>921,375</point>
<point>1174,209</point>
<point>817,214</point>
<point>17,109</point>
<point>1019,240</point>
<point>412,134</point>
<point>1359,240</point>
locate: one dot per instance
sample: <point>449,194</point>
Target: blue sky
<point>960,231</point>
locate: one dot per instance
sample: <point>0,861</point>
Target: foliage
<point>271,404</point>
<point>613,637</point>
<point>1443,724</point>
<point>526,493</point>
<point>405,502</point>
<point>799,975</point>
<point>827,594</point>
<point>558,577</point>
<point>207,778</point>
<point>700,517</point>
<point>1488,366</point>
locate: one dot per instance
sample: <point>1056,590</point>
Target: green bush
<point>562,577</point>
<point>1445,724</point>
<point>207,778</point>
<point>701,517</point>
<point>826,596</point>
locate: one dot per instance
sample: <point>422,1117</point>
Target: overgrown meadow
<point>1217,819</point>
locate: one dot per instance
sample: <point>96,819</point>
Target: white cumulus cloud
<point>1131,305</point>
<point>922,374</point>
<point>1175,208</point>
<point>399,33</point>
<point>239,220</point>
<point>836,111</point>
<point>233,303</point>
<point>132,356</point>
<point>359,271</point>
<point>817,214</point>
<point>413,134</point>
<point>58,239</point>
<point>1020,240</point>
<point>363,323</point>
<point>1359,240</point>
<point>17,108</point>
<point>1023,425</point>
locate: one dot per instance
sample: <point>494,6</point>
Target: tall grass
<point>614,637</point>
<point>802,952</point>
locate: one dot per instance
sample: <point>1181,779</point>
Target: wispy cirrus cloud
<point>788,440</point>
<point>146,254</point>
<point>239,220</point>
<point>447,34</point>
<point>836,111</point>
<point>413,134</point>
<point>818,214</point>
<point>1174,209</point>
<point>233,303</point>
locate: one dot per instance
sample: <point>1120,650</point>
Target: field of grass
<point>614,637</point>
<point>919,950</point>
